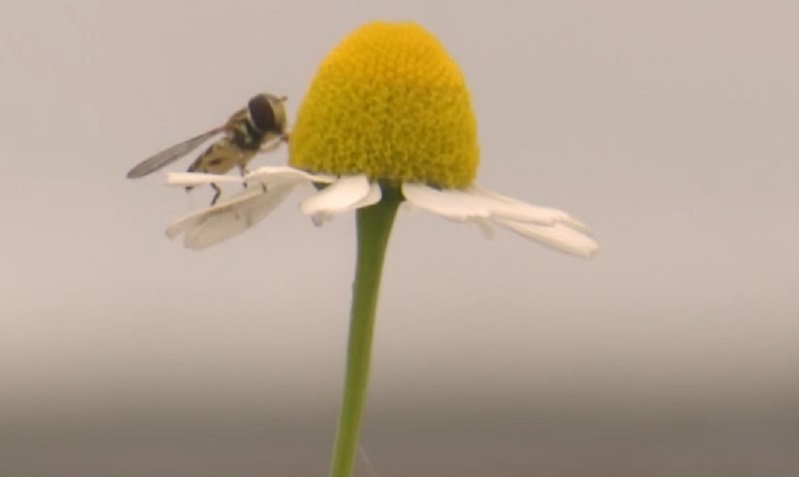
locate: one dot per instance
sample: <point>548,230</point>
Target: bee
<point>259,127</point>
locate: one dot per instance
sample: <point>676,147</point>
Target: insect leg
<point>218,192</point>
<point>272,141</point>
<point>243,171</point>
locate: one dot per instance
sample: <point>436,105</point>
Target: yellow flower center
<point>388,102</point>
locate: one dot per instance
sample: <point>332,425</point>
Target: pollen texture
<point>388,102</point>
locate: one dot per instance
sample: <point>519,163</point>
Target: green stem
<point>374,228</point>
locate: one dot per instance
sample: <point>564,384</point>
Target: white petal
<point>560,237</point>
<point>191,179</point>
<point>192,220</point>
<point>576,224</point>
<point>372,197</point>
<point>551,227</point>
<point>450,203</point>
<point>269,175</point>
<point>341,196</point>
<point>230,217</point>
<point>504,207</point>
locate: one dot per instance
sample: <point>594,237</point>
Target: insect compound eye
<point>262,114</point>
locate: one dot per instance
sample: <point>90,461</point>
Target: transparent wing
<point>170,155</point>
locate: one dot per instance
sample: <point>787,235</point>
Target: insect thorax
<point>246,137</point>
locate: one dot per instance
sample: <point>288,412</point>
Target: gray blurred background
<point>669,127</point>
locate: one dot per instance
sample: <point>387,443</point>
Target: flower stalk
<point>374,228</point>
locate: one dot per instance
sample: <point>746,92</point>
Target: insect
<point>261,126</point>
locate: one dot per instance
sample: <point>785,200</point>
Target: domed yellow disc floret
<point>388,102</point>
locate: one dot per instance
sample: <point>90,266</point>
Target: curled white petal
<point>551,227</point>
<point>230,217</point>
<point>559,236</point>
<point>450,203</point>
<point>191,179</point>
<point>266,188</point>
<point>575,224</point>
<point>345,194</point>
<point>504,207</point>
<point>191,220</point>
<point>372,197</point>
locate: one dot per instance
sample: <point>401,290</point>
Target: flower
<point>387,119</point>
<point>388,108</point>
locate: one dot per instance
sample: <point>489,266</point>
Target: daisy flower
<point>388,108</point>
<point>387,120</point>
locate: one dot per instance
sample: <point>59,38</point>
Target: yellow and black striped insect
<point>259,127</point>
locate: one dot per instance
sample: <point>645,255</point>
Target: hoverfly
<point>261,126</point>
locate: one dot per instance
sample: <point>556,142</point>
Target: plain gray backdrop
<point>669,127</point>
